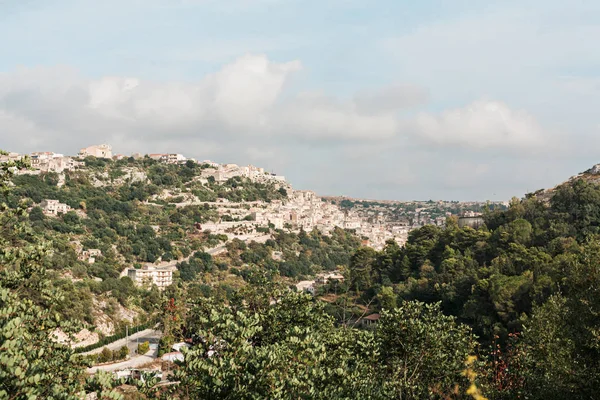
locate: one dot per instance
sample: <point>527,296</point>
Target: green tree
<point>361,268</point>
<point>32,364</point>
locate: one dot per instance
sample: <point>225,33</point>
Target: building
<point>99,151</point>
<point>10,157</point>
<point>54,207</point>
<point>370,320</point>
<point>156,156</point>
<point>474,222</point>
<point>173,159</point>
<point>48,161</point>
<point>209,163</point>
<point>325,278</point>
<point>90,255</point>
<point>306,286</point>
<point>149,274</point>
<point>165,158</point>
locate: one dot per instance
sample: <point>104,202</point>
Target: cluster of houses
<point>223,172</point>
<point>304,210</point>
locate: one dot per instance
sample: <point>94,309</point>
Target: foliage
<point>293,349</point>
<point>143,348</point>
<point>113,338</point>
<point>32,364</point>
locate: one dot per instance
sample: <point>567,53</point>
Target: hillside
<point>519,293</point>
<point>105,217</point>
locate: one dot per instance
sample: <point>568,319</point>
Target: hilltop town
<point>374,221</point>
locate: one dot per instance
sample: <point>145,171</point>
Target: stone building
<point>98,151</point>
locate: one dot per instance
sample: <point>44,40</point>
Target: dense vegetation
<point>520,293</point>
<point>526,281</point>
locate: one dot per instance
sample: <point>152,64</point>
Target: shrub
<point>106,355</point>
<point>143,348</point>
<point>123,352</point>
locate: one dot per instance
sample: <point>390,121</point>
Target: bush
<point>143,348</point>
<point>105,356</point>
<point>123,352</point>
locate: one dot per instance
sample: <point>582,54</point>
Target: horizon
<point>435,100</point>
<point>342,196</point>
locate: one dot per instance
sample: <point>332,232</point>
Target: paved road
<point>134,362</point>
<point>150,335</point>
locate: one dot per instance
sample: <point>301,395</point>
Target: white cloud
<point>316,116</point>
<point>391,98</point>
<point>482,124</point>
<point>244,99</point>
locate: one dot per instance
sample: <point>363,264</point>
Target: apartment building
<point>150,274</point>
<point>54,207</point>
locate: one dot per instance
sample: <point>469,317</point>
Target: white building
<point>173,159</point>
<point>4,158</point>
<point>149,274</point>
<point>99,151</point>
<point>306,286</point>
<point>54,207</point>
<point>90,255</point>
<point>52,162</point>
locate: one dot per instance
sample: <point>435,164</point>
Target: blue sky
<point>379,99</point>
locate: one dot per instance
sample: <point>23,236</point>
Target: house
<point>306,286</point>
<point>54,207</point>
<point>156,156</point>
<point>209,163</point>
<point>173,159</point>
<point>98,151</point>
<point>370,320</point>
<point>90,255</point>
<point>4,158</point>
<point>168,158</point>
<point>329,277</point>
<point>150,274</point>
<point>47,161</point>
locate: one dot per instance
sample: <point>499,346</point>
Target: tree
<point>361,268</point>
<point>36,215</point>
<point>387,298</point>
<point>32,364</point>
<point>292,349</point>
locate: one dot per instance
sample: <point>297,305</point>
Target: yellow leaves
<point>473,391</point>
<point>471,375</point>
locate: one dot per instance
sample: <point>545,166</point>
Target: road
<point>134,362</point>
<point>149,335</point>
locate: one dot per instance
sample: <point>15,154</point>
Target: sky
<point>379,99</point>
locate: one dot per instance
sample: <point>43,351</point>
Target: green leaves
<point>293,350</point>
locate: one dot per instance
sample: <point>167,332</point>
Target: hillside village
<point>375,222</point>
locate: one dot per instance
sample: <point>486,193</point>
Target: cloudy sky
<point>435,99</point>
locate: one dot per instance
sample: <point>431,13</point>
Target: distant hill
<point>591,175</point>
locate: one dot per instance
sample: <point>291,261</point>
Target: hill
<point>404,321</point>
